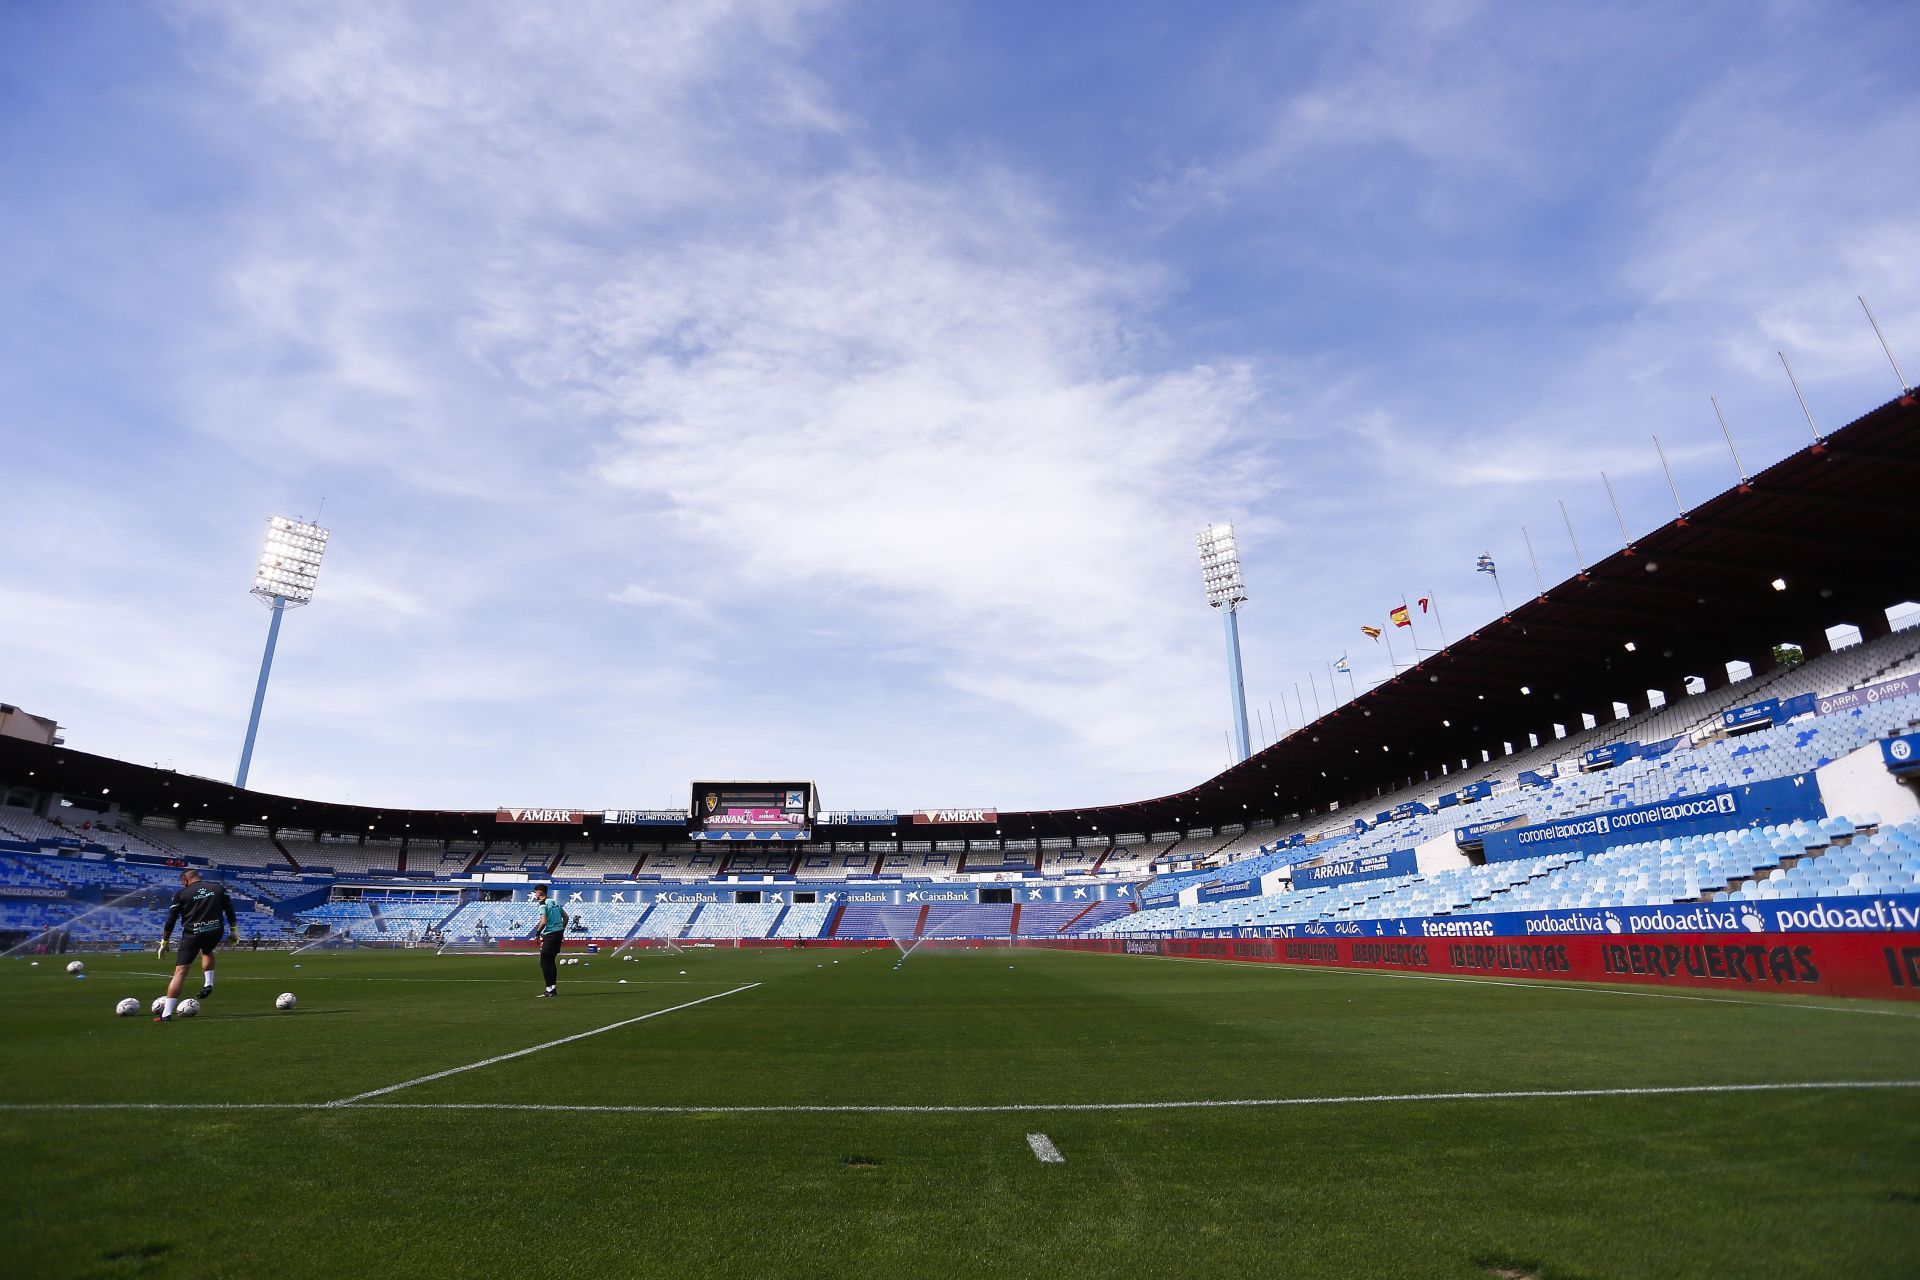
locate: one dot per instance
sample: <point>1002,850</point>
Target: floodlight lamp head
<point>289,562</point>
<point>1220,566</point>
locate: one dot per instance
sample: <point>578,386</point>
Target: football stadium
<point>1562,952</point>
<point>708,449</point>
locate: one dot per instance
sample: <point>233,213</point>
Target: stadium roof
<point>1833,522</point>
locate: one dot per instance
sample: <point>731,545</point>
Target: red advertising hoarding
<point>1883,966</point>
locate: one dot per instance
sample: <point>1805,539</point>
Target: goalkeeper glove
<point>161,949</point>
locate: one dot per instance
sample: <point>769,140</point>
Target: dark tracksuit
<point>200,909</point>
<point>553,932</point>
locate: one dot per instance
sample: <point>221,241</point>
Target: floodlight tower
<point>289,568</point>
<point>1220,575</point>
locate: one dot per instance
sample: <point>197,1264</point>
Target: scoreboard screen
<point>752,811</point>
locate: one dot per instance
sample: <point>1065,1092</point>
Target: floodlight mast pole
<point>1237,686</point>
<point>1220,575</point>
<point>289,568</point>
<point>279,607</point>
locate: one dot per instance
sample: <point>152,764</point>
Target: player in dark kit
<point>202,909</point>
<point>553,931</point>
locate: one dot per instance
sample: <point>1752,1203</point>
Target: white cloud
<point>575,268</point>
<point>927,406</point>
<point>649,598</point>
<point>678,422</point>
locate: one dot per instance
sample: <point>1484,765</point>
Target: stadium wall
<point>1882,966</point>
<point>1874,966</point>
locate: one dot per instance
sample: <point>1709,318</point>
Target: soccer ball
<point>187,1008</point>
<point>159,1005</point>
<point>285,1000</point>
<point>127,1008</point>
<point>76,966</point>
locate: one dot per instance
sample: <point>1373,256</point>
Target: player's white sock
<point>166,1007</point>
<point>549,990</point>
<point>209,977</point>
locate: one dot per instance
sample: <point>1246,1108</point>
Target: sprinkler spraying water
<point>905,938</point>
<point>155,897</point>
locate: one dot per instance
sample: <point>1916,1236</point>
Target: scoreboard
<point>752,811</point>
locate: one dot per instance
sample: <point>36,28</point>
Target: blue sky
<point>753,388</point>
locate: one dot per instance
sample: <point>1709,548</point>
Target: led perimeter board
<point>752,811</point>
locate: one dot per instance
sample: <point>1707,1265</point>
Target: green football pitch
<point>824,1113</point>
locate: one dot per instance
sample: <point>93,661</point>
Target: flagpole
<point>1393,659</point>
<point>1680,512</point>
<point>1538,581</point>
<point>1412,634</point>
<point>1316,694</point>
<point>1274,718</point>
<point>1301,703</point>
<point>1351,690</point>
<point>1487,566</point>
<point>1332,689</point>
<point>1434,600</point>
<point>1261,723</point>
<point>1905,389</point>
<point>1579,562</point>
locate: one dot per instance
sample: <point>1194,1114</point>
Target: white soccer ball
<point>76,966</point>
<point>127,1008</point>
<point>159,1005</point>
<point>285,1000</point>
<point>186,1008</point>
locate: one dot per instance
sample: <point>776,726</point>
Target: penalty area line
<point>1209,1104</point>
<point>521,1053</point>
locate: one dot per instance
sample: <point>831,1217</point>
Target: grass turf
<point>1807,1183</point>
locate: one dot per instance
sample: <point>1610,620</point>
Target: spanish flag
<point>1372,633</point>
<point>1400,616</point>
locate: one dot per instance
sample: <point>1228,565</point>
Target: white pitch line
<point>520,982</point>
<point>1766,1001</point>
<point>521,1053</point>
<point>1043,1149</point>
<point>1208,1104</point>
